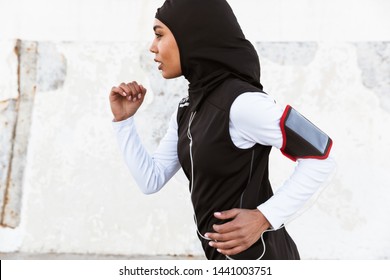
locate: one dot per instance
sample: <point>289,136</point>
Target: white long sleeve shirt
<point>254,118</point>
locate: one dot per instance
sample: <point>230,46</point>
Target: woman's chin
<point>168,75</point>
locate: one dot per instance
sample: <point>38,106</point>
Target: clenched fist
<point>125,100</point>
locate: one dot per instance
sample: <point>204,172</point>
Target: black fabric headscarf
<point>211,43</point>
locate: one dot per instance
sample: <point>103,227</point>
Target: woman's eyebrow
<point>156,27</point>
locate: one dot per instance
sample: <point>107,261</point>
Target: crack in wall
<point>5,197</point>
<point>7,127</point>
<point>21,108</point>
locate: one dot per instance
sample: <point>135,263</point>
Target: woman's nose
<point>153,48</point>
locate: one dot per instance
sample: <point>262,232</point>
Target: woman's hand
<point>238,234</point>
<point>125,100</point>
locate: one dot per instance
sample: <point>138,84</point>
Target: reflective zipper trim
<point>191,158</point>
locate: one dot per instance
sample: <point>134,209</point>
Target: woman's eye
<point>158,35</point>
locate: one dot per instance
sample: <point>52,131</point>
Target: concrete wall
<point>71,191</point>
<point>130,20</point>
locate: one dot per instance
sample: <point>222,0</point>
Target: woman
<point>222,134</point>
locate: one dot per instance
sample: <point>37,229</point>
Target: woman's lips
<point>159,64</point>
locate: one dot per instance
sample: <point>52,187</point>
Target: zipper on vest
<point>189,135</point>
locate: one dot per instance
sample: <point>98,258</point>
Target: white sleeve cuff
<point>120,124</point>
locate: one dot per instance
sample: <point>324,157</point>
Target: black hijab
<point>211,43</point>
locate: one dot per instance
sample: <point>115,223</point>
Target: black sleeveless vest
<point>223,176</point>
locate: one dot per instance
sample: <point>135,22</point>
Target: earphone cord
<point>192,116</point>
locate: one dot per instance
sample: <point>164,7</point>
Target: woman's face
<point>166,51</point>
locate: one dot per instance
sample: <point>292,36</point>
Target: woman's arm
<point>150,172</point>
<point>255,118</point>
<point>260,123</point>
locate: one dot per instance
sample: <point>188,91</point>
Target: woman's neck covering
<point>211,43</point>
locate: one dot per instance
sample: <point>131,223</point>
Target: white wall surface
<point>78,196</point>
<point>131,20</point>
